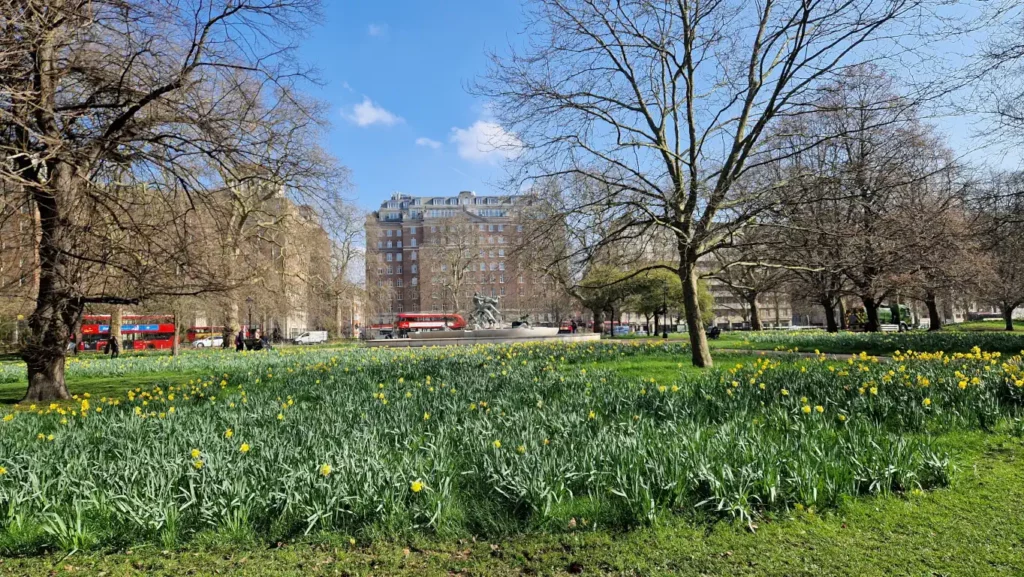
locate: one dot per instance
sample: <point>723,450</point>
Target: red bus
<point>138,332</point>
<point>407,322</point>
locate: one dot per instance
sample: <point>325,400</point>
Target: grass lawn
<point>975,527</point>
<point>666,370</point>
<point>984,326</point>
<point>112,387</point>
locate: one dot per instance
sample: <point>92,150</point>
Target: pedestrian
<point>115,349</point>
<point>239,341</point>
<point>265,342</point>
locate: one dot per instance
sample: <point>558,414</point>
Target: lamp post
<point>664,312</point>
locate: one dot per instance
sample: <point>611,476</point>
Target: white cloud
<point>377,29</point>
<point>366,113</point>
<point>486,141</point>
<point>424,141</point>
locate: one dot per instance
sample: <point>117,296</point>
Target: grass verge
<point>975,527</point>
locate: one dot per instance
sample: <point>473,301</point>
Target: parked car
<point>621,330</point>
<point>208,342</point>
<point>311,337</point>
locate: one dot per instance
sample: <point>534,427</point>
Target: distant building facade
<point>431,254</point>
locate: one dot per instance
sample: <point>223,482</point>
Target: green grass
<point>871,343</point>
<point>974,527</point>
<point>112,387</point>
<point>984,326</point>
<point>666,370</point>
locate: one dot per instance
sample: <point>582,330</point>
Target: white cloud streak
<point>366,113</point>
<point>486,141</point>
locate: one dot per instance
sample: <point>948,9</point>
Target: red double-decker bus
<point>408,322</point>
<point>138,332</point>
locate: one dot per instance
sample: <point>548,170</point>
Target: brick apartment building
<point>431,254</point>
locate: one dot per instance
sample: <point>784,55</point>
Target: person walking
<point>239,341</point>
<point>115,348</point>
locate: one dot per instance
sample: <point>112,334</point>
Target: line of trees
<point>764,138</point>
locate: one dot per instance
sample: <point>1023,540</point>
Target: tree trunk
<point>598,321</point>
<point>174,344</point>
<point>115,326</point>
<point>231,327</point>
<point>1008,316</point>
<point>57,308</point>
<point>843,324</point>
<point>830,315</point>
<point>934,320</point>
<point>694,323</point>
<point>755,314</point>
<point>871,309</point>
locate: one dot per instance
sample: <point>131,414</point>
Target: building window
<point>501,280</point>
<point>501,252</point>
<point>389,257</point>
<point>390,232</point>
<point>483,266</point>
<point>412,242</point>
<point>520,279</point>
<point>415,269</point>
<point>412,230</point>
<point>480,227</point>
<point>398,257</point>
<point>433,229</point>
<point>380,244</point>
<point>501,228</point>
<point>501,265</point>
<point>389,242</point>
<point>413,257</point>
<point>444,268</point>
<point>401,307</point>
<point>502,291</point>
<point>398,244</point>
<point>501,240</point>
<point>490,228</point>
<point>519,228</point>
<point>399,283</point>
<point>398,232</point>
<point>490,240</point>
<point>399,270</point>
<point>415,281</point>
<point>390,270</point>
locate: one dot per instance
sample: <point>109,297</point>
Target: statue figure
<point>485,312</point>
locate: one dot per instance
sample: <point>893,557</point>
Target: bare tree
<point>450,256</point>
<point>866,185</point>
<point>122,121</point>
<point>999,206</point>
<point>666,104</point>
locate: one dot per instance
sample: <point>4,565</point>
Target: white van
<point>311,337</point>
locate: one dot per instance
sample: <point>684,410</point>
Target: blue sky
<point>396,75</point>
